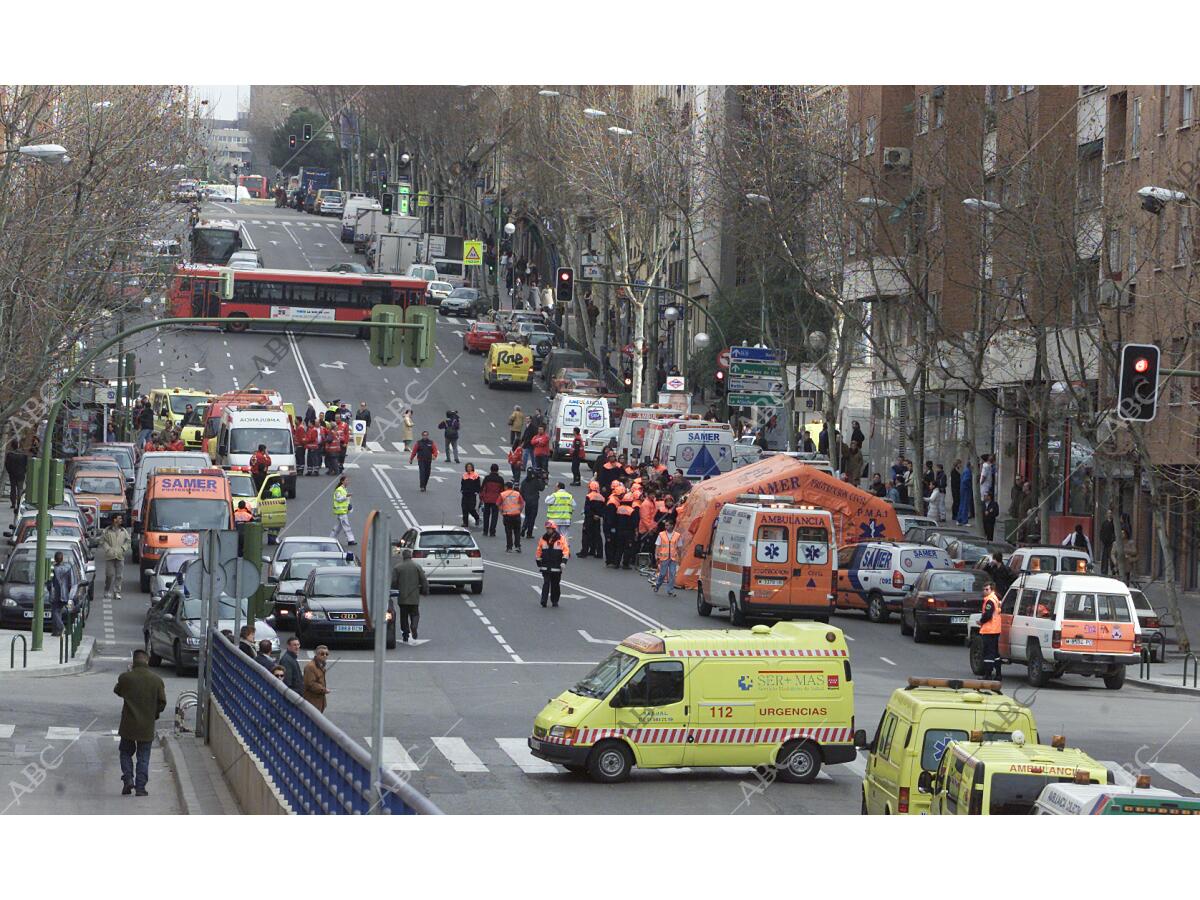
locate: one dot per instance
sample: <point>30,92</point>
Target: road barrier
<point>71,636</point>
<point>312,765</point>
<point>12,652</point>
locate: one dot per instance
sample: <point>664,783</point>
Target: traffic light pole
<point>45,453</point>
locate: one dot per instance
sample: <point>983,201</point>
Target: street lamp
<point>759,199</point>
<point>617,130</point>
<point>510,229</point>
<point>592,113</point>
<point>976,205</point>
<point>546,92</point>
<point>405,159</point>
<point>701,340</point>
<point>1154,199</point>
<point>42,152</point>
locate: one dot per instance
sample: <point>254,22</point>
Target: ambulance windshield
<point>601,680</point>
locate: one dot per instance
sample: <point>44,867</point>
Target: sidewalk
<point>202,788</point>
<point>1167,678</point>
<point>44,662</point>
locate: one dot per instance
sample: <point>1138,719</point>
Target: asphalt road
<point>459,705</point>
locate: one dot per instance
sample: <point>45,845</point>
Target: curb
<point>1160,688</point>
<point>81,663</point>
<point>183,779</point>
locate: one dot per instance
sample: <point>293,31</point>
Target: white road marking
<point>375,446</point>
<point>6,731</point>
<point>382,466</point>
<point>460,756</point>
<point>1120,774</point>
<point>395,757</point>
<point>634,614</point>
<point>518,751</point>
<point>399,445</point>
<point>351,466</point>
<point>858,766</point>
<point>1178,774</point>
<point>62,733</point>
<point>482,448</point>
<point>886,660</point>
<point>472,396</point>
<point>591,640</point>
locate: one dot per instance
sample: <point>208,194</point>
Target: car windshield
<point>246,440</point>
<point>465,293</point>
<point>337,585</point>
<point>483,326</point>
<point>179,514</point>
<point>941,582</point>
<point>440,286</point>
<point>241,484</point>
<point>179,402</point>
<point>441,540</point>
<point>972,551</point>
<point>21,568</point>
<point>288,549</point>
<point>99,484</point>
<point>1140,602</point>
<point>121,457</point>
<point>601,680</point>
<point>228,610</point>
<point>214,245</point>
<point>299,568</point>
<point>173,562</point>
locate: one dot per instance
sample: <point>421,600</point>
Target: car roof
<point>458,529</point>
<point>336,570</point>
<point>322,538</point>
<point>1071,582</point>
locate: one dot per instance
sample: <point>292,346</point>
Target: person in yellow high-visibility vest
<point>667,549</point>
<point>341,511</point>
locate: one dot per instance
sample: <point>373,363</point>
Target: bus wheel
<point>702,606</point>
<point>235,326</point>
<point>799,762</point>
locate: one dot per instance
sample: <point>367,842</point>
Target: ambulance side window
<point>886,732</point>
<point>772,544</point>
<point>654,684</point>
<point>1025,607</point>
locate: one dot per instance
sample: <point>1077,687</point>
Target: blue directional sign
<point>763,354</point>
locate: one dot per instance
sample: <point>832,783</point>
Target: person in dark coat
<point>264,657</point>
<point>424,452</point>
<point>857,435</point>
<point>16,463</point>
<point>246,642</point>
<point>1108,537</point>
<point>293,675</point>
<point>489,496</point>
<point>409,583</point>
<point>531,493</point>
<point>991,510</point>
<point>144,698</point>
<point>955,488</point>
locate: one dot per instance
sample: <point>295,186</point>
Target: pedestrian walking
<point>1108,536</point>
<point>551,554</point>
<point>363,414</point>
<point>114,545</point>
<point>1079,541</point>
<point>61,588</point>
<point>531,493</point>
<point>577,457</point>
<point>515,457</point>
<point>470,487</point>
<point>145,422</point>
<point>341,511</point>
<point>450,426</point>
<point>406,429</point>
<point>260,465</point>
<point>316,687</point>
<point>516,425</point>
<point>16,464</point>
<point>143,698</point>
<point>955,480</point>
<point>408,584</point>
<point>560,507</point>
<point>990,512</point>
<point>264,657</point>
<point>966,504</point>
<point>667,550</point>
<point>293,675</point>
<point>539,446</point>
<point>989,632</point>
<point>489,497</point>
<point>593,522</point>
<point>511,504</point>
<point>312,446</point>
<point>424,452</point>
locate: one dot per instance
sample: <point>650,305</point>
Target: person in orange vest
<point>331,441</point>
<point>593,521</point>
<point>299,436</point>
<point>343,430</point>
<point>627,530</point>
<point>511,504</point>
<point>312,448</point>
<point>667,550</point>
<point>176,443</point>
<point>577,456</point>
<point>470,494</point>
<point>242,514</point>
<point>551,554</point>
<point>260,464</point>
<point>608,473</point>
<point>989,632</point>
<point>647,527</point>
<point>612,538</point>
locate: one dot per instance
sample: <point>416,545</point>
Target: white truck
<point>394,253</point>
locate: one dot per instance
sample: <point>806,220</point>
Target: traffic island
<point>17,659</point>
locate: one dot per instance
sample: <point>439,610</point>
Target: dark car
<point>173,627</point>
<point>292,580</point>
<point>329,609</point>
<point>353,268</point>
<point>562,358</point>
<point>942,601</point>
<point>16,588</point>
<point>923,534</point>
<point>971,550</point>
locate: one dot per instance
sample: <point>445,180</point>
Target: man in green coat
<point>145,698</point>
<point>408,583</point>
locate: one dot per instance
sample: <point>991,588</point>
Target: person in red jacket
<point>489,496</point>
<point>343,430</point>
<point>260,464</point>
<point>299,435</point>
<point>540,445</point>
<point>312,448</point>
<point>331,442</point>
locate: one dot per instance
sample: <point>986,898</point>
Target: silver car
<point>162,576</point>
<point>173,628</point>
<point>1153,634</point>
<point>290,546</point>
<point>448,554</point>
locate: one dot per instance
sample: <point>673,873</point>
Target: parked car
<point>292,579</point>
<point>595,442</point>
<point>970,551</point>
<point>168,567</point>
<point>942,601</point>
<point>352,268</point>
<point>449,555</point>
<point>463,301</point>
<point>329,609</point>
<point>173,628</point>
<point>437,291</point>
<point>16,586</point>
<point>1153,633</point>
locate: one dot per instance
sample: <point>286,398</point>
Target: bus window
<point>301,293</point>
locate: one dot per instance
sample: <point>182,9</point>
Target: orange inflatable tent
<point>857,515</point>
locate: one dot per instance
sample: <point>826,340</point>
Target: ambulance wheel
<point>975,654</point>
<point>799,762</point>
<point>877,612</point>
<point>736,615</point>
<point>1037,673</point>
<point>1116,680</point>
<point>905,628</point>
<point>609,762</point>
<point>703,607</point>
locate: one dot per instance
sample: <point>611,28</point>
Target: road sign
<point>472,253</point>
<point>760,369</point>
<point>676,383</point>
<point>762,354</point>
<point>723,359</point>
<point>106,395</point>
<point>753,400</point>
<point>741,384</point>
<point>423,198</point>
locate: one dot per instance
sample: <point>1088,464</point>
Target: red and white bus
<point>255,185</point>
<point>288,295</point>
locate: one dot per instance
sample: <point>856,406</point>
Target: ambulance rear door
<point>701,451</point>
<point>812,584</point>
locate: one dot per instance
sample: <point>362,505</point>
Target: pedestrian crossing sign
<point>472,253</point>
<point>423,198</point>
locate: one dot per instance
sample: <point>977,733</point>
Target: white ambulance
<point>243,428</point>
<point>701,449</point>
<point>571,411</point>
<point>631,433</point>
<point>769,558</point>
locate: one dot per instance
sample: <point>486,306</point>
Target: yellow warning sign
<point>472,253</point>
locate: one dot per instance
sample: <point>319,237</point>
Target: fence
<point>315,767</point>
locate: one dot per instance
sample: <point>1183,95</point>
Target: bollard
<point>12,652</point>
<point>1144,665</point>
<point>1192,658</point>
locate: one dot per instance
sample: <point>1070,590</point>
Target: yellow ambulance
<point>780,696</point>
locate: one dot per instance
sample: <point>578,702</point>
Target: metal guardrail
<point>314,764</point>
<point>188,700</point>
<point>12,652</point>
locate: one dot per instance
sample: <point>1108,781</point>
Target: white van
<point>631,433</point>
<point>700,448</point>
<point>451,270</point>
<point>350,215</point>
<point>165,459</point>
<point>422,271</point>
<point>571,411</point>
<point>243,428</point>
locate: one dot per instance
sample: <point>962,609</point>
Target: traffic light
<point>56,480</point>
<point>720,382</point>
<point>307,132</point>
<point>419,343</point>
<point>386,203</point>
<point>1137,389</point>
<point>565,284</point>
<point>292,141</point>
<point>386,343</point>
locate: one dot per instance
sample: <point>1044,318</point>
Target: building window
<point>1187,97</point>
<point>1008,91</point>
<point>855,140</point>
<point>939,109</point>
<point>872,126</point>
<point>867,233</point>
<point>1164,107</point>
<point>933,312</point>
<point>1026,88</point>
<point>1133,252</point>
<point>1090,169</point>
<point>1183,236</point>
<point>935,210</point>
<point>1114,251</point>
<point>852,238</point>
<point>1118,116</point>
<point>1135,127</point>
<point>923,114</point>
<point>1085,292</point>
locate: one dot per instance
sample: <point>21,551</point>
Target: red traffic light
<point>1141,364</point>
<point>564,275</point>
<point>720,375</point>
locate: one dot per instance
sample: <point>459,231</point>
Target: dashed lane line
<point>492,629</point>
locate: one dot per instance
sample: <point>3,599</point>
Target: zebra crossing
<point>291,223</point>
<point>486,451</point>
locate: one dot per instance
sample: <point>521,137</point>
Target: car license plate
<point>772,582</point>
<point>958,620</point>
<point>29,614</point>
<point>504,378</point>
<point>351,628</point>
<point>1078,642</point>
